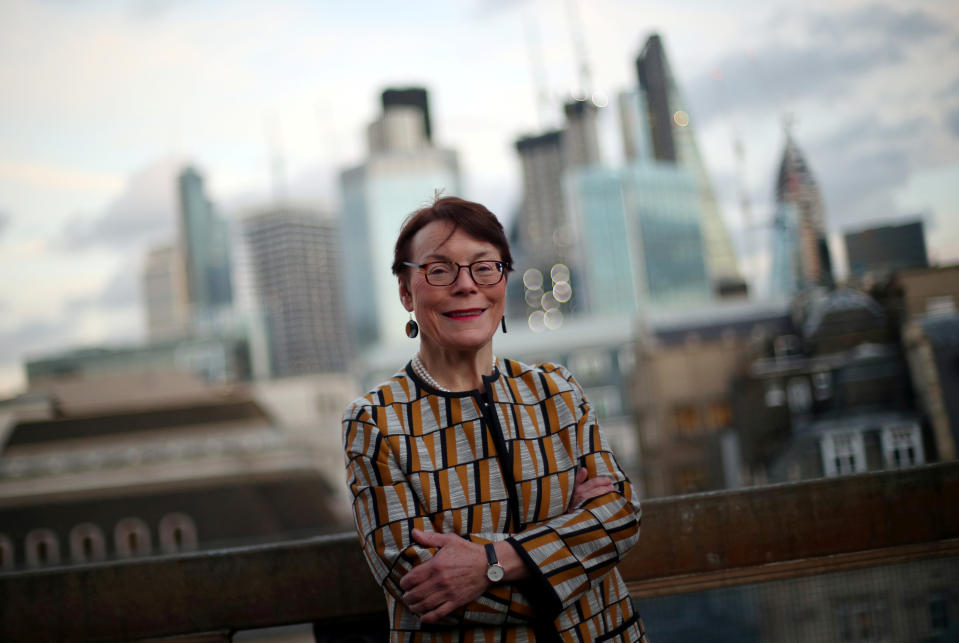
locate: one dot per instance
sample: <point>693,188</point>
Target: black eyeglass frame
<point>500,266</point>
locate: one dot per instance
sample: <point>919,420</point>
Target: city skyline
<point>97,123</point>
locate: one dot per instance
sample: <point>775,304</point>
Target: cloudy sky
<point>101,102</point>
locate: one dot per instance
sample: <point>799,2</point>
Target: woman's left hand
<point>455,576</point>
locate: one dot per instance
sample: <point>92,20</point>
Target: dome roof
<point>854,310</point>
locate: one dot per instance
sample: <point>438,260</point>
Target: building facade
<point>131,466</point>
<point>164,292</point>
<point>829,396</point>
<point>681,394</point>
<point>295,261</point>
<point>671,139</point>
<point>546,243</point>
<point>205,243</point>
<point>882,251</point>
<point>640,237</point>
<point>403,172</point>
<point>799,202</point>
<point>927,306</point>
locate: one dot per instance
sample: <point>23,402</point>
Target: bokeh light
<point>681,118</point>
<point>559,272</point>
<point>537,321</point>
<point>562,292</point>
<point>533,297</point>
<point>548,302</point>
<point>533,279</point>
<point>553,319</point>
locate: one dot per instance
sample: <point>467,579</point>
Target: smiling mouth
<point>464,314</point>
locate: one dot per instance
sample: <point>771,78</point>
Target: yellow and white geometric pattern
<point>498,465</point>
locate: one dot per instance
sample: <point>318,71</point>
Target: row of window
<point>798,392</point>
<point>87,542</point>
<point>689,420</point>
<point>844,452</point>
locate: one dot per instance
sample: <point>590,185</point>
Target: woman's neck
<point>457,370</point>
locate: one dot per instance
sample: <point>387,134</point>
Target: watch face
<point>494,573</point>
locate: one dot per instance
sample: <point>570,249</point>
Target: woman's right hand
<point>586,489</point>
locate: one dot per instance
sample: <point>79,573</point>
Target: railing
<point>688,543</point>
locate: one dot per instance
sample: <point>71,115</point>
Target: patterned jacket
<point>492,466</point>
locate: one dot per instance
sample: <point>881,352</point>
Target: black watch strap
<point>491,554</point>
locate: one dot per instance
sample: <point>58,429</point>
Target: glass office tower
<point>402,173</point>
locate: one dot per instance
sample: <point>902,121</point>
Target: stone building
<point>127,466</point>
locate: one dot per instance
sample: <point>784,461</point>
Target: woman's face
<point>462,315</point>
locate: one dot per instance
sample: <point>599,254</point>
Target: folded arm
<point>548,566</point>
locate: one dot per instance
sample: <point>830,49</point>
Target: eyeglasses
<point>445,273</point>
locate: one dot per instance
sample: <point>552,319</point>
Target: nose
<point>464,280</point>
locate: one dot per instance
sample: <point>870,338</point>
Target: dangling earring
<point>502,321</point>
<point>412,328</point>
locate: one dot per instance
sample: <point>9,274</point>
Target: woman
<point>487,501</point>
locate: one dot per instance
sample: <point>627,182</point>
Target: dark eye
<point>484,268</point>
<point>439,269</point>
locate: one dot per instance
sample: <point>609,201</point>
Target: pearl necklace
<point>426,377</point>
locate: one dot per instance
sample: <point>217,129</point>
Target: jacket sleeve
<point>385,511</point>
<point>569,553</point>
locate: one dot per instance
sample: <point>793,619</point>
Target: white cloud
<point>46,176</point>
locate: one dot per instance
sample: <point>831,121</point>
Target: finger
<point>417,575</point>
<point>428,538</point>
<point>435,615</point>
<point>425,603</point>
<point>597,490</point>
<point>581,475</point>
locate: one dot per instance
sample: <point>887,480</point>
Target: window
<point>627,359</point>
<point>822,385</point>
<point>177,533</point>
<point>942,305</point>
<point>6,552</point>
<point>686,420</point>
<point>42,547</point>
<point>902,447</point>
<point>774,394</point>
<point>590,365</point>
<point>132,538</point>
<point>862,622</point>
<point>606,401</point>
<point>798,393</point>
<point>939,612</point>
<point>843,453</point>
<point>786,345</point>
<point>690,478</point>
<point>720,415</point>
<point>87,543</point>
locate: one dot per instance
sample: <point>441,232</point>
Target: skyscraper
<point>640,235</point>
<point>671,139</point>
<point>403,171</point>
<point>884,250</point>
<point>796,187</point>
<point>164,293</point>
<point>545,235</point>
<point>648,233</point>
<point>410,97</point>
<point>206,248</point>
<point>295,263</point>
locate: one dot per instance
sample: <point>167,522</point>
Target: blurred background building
<point>132,464</point>
<point>802,258</point>
<point>204,239</point>
<point>877,253</point>
<point>297,273</point>
<point>402,172</point>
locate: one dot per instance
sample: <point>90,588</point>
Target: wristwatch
<point>495,571</point>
